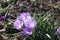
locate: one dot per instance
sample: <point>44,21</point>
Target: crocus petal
<point>25,16</point>
<point>18,24</point>
<point>27,31</point>
<point>32,24</point>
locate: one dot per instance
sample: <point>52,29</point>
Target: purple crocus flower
<point>26,20</point>
<point>18,24</point>
<point>58,31</point>
<point>27,31</point>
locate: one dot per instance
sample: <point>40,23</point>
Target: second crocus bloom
<point>58,31</point>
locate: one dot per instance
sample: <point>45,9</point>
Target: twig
<point>2,30</point>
